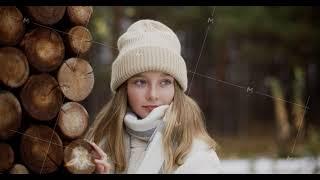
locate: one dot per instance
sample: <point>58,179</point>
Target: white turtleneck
<point>140,131</point>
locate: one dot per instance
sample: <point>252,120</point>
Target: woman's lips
<point>150,108</point>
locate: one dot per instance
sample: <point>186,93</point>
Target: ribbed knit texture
<point>148,45</point>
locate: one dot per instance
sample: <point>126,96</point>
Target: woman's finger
<point>100,168</point>
<point>98,150</point>
<point>95,155</point>
<point>102,162</point>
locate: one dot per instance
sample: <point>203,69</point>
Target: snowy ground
<point>271,166</point>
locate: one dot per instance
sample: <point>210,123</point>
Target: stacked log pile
<point>44,76</point>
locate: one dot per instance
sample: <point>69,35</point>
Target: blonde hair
<point>185,121</point>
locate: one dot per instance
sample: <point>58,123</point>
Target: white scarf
<point>149,129</point>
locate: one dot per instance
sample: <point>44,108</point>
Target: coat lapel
<point>154,156</point>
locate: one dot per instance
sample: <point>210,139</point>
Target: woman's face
<point>148,90</point>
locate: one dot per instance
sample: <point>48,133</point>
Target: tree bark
<point>78,158</point>
<point>19,169</point>
<point>73,120</point>
<point>79,40</point>
<point>281,117</point>
<point>14,67</point>
<point>41,149</point>
<point>298,122</point>
<point>76,79</point>
<point>12,26</point>
<point>10,115</point>
<point>6,157</point>
<point>41,97</point>
<point>280,110</point>
<point>44,49</point>
<point>79,15</point>
<point>47,15</point>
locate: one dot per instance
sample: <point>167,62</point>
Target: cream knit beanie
<point>148,45</point>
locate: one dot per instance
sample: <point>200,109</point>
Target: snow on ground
<point>305,165</point>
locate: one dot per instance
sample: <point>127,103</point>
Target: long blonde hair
<point>185,121</point>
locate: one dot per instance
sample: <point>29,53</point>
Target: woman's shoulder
<point>201,148</point>
<point>201,159</point>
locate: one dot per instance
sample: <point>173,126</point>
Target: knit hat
<point>148,45</point>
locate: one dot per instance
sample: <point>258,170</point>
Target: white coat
<point>150,158</point>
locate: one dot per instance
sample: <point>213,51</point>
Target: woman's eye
<point>165,82</point>
<point>139,82</point>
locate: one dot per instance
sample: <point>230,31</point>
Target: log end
<point>78,158</point>
<point>41,149</point>
<point>79,39</point>
<point>10,118</point>
<point>14,67</point>
<point>76,79</point>
<point>41,97</point>
<point>73,120</point>
<point>6,157</point>
<point>47,15</point>
<point>44,49</point>
<point>19,169</point>
<point>79,15</point>
<point>12,26</point>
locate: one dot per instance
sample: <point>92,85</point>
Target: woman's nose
<point>152,93</point>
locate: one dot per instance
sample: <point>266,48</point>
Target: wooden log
<point>73,120</point>
<point>14,67</point>
<point>47,15</point>
<point>41,97</point>
<point>12,26</point>
<point>79,40</point>
<point>19,169</point>
<point>10,115</point>
<point>78,157</point>
<point>6,157</point>
<point>41,149</point>
<point>44,49</point>
<point>76,79</point>
<point>79,15</point>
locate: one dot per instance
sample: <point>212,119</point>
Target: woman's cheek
<point>167,95</point>
<point>136,99</point>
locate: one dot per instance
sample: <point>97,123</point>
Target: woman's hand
<point>100,160</point>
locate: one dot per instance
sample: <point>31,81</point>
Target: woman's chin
<point>143,114</point>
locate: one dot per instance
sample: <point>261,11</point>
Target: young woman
<point>150,125</point>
